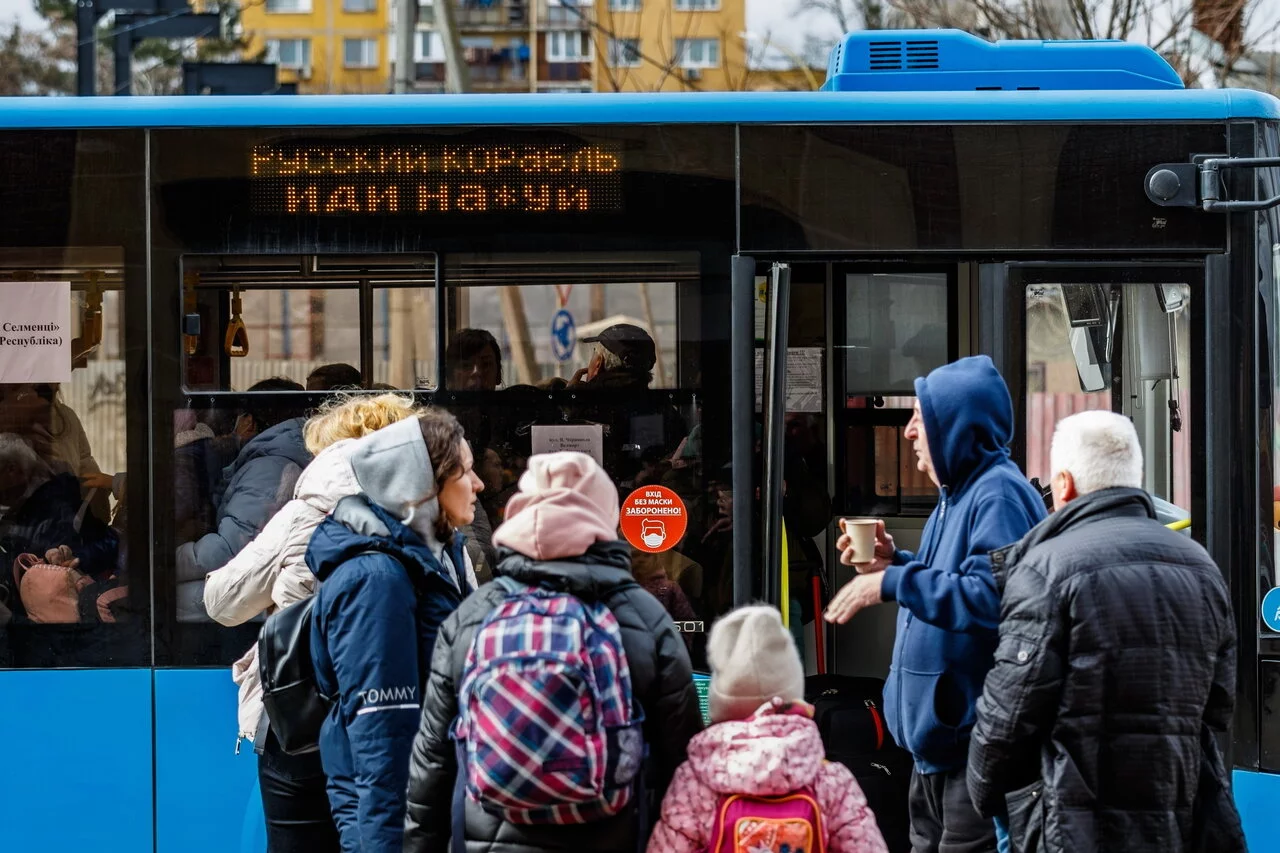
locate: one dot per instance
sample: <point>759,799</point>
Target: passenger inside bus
<point>46,527</point>
<point>623,359</point>
<point>37,413</point>
<point>255,486</point>
<point>473,361</point>
<point>333,377</point>
<point>42,509</point>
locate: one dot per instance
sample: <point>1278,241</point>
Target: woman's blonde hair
<point>353,416</point>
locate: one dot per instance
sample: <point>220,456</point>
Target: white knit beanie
<point>753,659</point>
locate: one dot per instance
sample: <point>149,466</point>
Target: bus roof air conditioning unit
<point>955,61</point>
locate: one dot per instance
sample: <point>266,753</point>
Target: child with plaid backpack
<point>757,780</point>
<point>561,698</point>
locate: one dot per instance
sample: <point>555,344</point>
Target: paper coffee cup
<point>862,537</point>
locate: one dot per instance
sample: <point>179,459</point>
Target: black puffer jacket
<point>1117,651</point>
<point>661,678</point>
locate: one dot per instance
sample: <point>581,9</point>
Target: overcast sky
<point>21,9</point>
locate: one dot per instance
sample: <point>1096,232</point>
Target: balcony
<point>481,15</point>
<point>564,17</point>
<point>566,72</point>
<point>428,72</point>
<point>484,76</point>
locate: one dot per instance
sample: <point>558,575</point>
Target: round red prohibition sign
<point>654,519</point>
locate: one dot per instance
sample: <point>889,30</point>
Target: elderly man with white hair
<point>1115,667</point>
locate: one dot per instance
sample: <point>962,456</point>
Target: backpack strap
<point>21,565</point>
<point>78,522</point>
<point>458,802</point>
<point>510,585</point>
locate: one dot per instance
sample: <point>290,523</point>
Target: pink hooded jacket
<point>566,504</point>
<point>775,752</point>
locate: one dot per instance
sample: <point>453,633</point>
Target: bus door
<point>836,349</point>
<point>889,325</point>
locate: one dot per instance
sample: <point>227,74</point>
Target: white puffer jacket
<point>271,572</point>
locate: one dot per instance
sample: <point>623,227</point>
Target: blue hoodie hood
<point>949,606</point>
<point>968,419</point>
<point>284,440</point>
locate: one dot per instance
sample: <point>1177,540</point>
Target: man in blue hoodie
<point>949,607</point>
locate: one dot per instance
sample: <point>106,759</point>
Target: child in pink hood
<point>763,742</point>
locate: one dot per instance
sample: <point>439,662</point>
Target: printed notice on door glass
<point>804,379</point>
<point>35,332</point>
<point>586,438</point>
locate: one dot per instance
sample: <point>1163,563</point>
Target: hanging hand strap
<point>236,342</point>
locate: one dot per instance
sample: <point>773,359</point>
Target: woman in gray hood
<point>393,567</point>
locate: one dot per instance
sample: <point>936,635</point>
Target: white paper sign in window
<point>584,438</point>
<point>35,331</point>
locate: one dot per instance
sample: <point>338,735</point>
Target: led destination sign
<point>350,178</point>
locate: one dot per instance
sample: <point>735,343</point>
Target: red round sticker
<point>654,519</point>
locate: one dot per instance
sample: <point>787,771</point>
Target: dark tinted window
<point>973,187</point>
<point>73,458</point>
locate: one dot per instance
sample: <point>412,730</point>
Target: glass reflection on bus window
<point>1122,347</point>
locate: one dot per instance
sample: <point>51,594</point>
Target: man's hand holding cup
<point>865,545</point>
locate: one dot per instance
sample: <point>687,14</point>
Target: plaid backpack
<point>547,730</point>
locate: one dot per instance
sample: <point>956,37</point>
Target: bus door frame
<point>742,364</point>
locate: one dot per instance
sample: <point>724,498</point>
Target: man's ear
<point>1064,489</point>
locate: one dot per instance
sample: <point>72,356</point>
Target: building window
<point>572,46</point>
<point>568,13</point>
<point>698,53</point>
<point>697,5</point>
<point>290,6</point>
<point>428,47</point>
<point>289,53</point>
<point>624,5</point>
<point>360,53</point>
<point>624,53</point>
<point>357,6</point>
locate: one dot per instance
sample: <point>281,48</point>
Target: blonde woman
<point>271,572</point>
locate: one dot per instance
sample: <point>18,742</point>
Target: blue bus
<point>794,260</point>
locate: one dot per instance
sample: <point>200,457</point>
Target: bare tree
<point>33,63</point>
<point>1205,40</point>
<point>851,15</point>
<point>157,64</point>
<point>838,17</point>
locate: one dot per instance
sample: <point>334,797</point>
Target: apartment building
<point>325,46</point>
<point>589,45</point>
<point>348,46</point>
